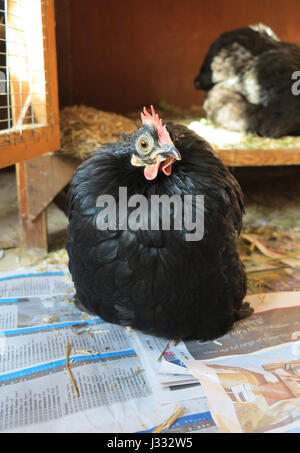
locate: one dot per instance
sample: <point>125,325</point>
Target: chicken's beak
<point>164,161</point>
<point>169,152</point>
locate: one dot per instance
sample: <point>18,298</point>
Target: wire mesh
<point>25,101</point>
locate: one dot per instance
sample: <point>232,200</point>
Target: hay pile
<point>84,129</point>
<point>169,112</point>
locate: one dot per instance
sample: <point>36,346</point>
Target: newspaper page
<point>30,283</point>
<point>113,388</point>
<point>251,375</point>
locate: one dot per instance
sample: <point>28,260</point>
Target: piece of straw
<point>169,422</point>
<point>85,351</point>
<point>162,352</point>
<point>69,371</point>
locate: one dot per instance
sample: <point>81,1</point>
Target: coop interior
<point>75,75</point>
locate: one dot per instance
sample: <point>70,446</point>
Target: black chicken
<point>247,77</point>
<point>154,280</point>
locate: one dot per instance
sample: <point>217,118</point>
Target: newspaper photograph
<point>251,375</point>
<point>171,380</point>
<point>257,390</point>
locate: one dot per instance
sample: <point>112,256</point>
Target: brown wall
<point>118,55</point>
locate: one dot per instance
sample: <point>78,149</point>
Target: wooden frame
<point>39,180</point>
<point>16,146</point>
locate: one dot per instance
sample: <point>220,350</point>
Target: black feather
<point>156,281</point>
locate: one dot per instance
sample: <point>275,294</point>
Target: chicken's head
<point>153,147</point>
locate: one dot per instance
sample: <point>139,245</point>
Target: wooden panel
<point>121,55</point>
<point>51,75</point>
<point>34,143</point>
<point>46,177</point>
<point>64,50</point>
<point>34,232</point>
<point>259,157</point>
<point>39,180</point>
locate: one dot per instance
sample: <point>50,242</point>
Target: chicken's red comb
<point>156,122</point>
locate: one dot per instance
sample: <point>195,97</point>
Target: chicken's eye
<point>144,144</point>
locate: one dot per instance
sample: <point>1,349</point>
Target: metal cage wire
<point>25,100</point>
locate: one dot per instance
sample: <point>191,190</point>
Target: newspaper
<point>251,375</point>
<point>246,381</point>
<point>113,380</point>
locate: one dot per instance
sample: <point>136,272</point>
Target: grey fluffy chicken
<point>247,77</point>
<point>154,280</point>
